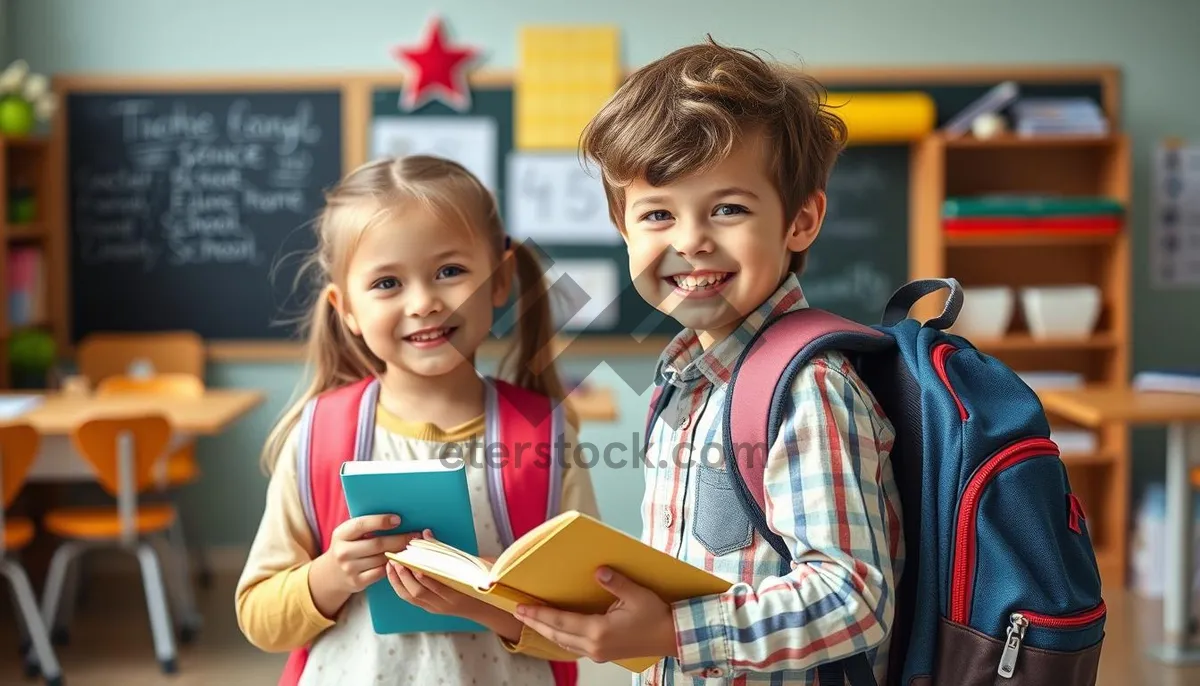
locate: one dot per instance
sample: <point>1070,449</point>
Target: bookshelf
<point>30,243</point>
<point>1061,165</point>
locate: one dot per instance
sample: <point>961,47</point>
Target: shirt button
<point>667,518</point>
<point>713,672</point>
<point>685,422</point>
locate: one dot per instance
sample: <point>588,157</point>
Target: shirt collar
<point>684,361</point>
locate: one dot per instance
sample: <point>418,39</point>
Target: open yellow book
<point>555,564</point>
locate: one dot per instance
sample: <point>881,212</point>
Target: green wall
<point>1153,43</point>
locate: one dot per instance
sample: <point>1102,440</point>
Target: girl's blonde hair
<point>369,196</point>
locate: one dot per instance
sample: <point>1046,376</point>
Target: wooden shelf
<point>21,233</point>
<point>1014,141</point>
<point>1099,457</point>
<point>1026,342</point>
<point>27,161</point>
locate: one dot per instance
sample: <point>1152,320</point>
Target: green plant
<point>25,98</point>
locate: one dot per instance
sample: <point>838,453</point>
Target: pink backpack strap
<point>335,427</point>
<point>758,389</point>
<point>759,385</point>
<point>525,475</point>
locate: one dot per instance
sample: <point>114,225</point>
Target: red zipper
<point>942,353</point>
<point>964,545</point>
<point>1074,621</point>
<point>1076,514</point>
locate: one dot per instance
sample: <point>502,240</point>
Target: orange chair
<point>18,449</point>
<point>181,467</point>
<point>123,452</point>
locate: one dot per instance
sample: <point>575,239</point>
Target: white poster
<point>552,198</point>
<point>1175,218</point>
<point>470,141</point>
<point>584,293</point>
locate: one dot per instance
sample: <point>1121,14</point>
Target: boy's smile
<point>711,247</point>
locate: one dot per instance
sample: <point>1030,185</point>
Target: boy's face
<point>710,248</point>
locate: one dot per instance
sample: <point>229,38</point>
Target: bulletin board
<point>243,309</point>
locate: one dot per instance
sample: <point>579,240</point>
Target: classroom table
<point>58,414</point>
<point>1180,413</point>
<point>593,404</point>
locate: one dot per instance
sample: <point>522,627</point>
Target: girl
<point>413,259</point>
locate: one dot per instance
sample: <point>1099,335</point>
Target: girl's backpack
<point>339,425</point>
<point>1000,585</point>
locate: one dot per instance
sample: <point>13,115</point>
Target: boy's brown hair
<point>684,112</point>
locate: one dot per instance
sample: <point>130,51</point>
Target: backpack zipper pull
<point>1016,632</point>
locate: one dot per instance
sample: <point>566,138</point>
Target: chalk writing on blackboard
<point>200,159</point>
<point>190,209</point>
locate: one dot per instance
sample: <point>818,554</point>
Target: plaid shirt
<point>832,499</point>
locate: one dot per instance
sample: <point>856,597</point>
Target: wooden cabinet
<point>31,239</point>
<point>1069,166</point>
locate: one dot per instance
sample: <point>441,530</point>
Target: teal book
<point>1030,205</point>
<point>427,494</point>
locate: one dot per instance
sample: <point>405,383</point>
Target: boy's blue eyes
<point>720,211</point>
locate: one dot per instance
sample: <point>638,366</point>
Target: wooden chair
<point>124,452</point>
<point>18,449</point>
<point>101,355</point>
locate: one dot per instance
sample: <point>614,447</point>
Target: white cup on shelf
<point>1066,311</point>
<point>986,312</point>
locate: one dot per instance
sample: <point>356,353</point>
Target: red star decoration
<point>438,71</point>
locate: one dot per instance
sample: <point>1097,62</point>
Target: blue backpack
<point>1000,583</point>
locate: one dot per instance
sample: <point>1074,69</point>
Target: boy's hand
<point>638,624</point>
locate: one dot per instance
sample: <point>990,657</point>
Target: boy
<point>715,165</point>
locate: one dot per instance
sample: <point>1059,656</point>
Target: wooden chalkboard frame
<point>356,96</point>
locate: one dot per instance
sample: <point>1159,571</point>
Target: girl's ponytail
<point>333,357</point>
<point>534,366</point>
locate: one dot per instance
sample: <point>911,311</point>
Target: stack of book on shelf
<point>1000,214</point>
<point>1058,117</point>
<point>1168,380</point>
<point>26,295</point>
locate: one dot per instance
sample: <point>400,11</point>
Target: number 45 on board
<point>552,198</point>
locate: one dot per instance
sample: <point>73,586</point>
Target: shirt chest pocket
<point>719,521</point>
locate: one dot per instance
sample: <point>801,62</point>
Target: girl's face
<point>421,293</point>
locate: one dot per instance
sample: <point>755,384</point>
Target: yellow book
<point>555,564</point>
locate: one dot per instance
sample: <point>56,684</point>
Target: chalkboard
<point>190,210</point>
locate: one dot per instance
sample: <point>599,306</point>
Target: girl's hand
<point>355,559</point>
<point>433,596</point>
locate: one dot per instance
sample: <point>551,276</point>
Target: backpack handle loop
<point>907,295</point>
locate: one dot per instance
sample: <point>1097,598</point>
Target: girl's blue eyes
<point>389,282</point>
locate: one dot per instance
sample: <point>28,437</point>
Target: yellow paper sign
<point>564,75</point>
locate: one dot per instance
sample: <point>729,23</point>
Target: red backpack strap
<point>756,394</point>
<point>525,437</point>
<point>335,427</point>
<point>525,434</point>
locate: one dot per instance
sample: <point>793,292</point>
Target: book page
<point>439,557</point>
